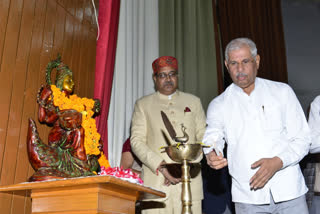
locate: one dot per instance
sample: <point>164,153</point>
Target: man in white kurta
<point>267,135</point>
<point>148,134</point>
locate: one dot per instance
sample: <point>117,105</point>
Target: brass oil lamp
<point>182,153</point>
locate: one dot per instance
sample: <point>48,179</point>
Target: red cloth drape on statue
<point>108,20</point>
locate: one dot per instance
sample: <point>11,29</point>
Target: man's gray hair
<point>239,43</point>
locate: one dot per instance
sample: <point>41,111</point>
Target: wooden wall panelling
<point>58,31</point>
<point>79,10</point>
<point>67,42</point>
<point>92,61</point>
<point>34,71</point>
<point>70,6</point>
<point>88,15</point>
<point>32,81</point>
<point>91,38</point>
<point>86,12</point>
<point>6,81</point>
<point>92,17</point>
<point>84,65</point>
<point>60,2</point>
<point>32,32</point>
<point>7,62</point>
<point>20,72</point>
<point>45,57</point>
<point>79,70</point>
<point>77,51</point>
<point>4,11</point>
<point>76,55</point>
<point>87,59</point>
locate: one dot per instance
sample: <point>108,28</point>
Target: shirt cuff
<point>207,150</point>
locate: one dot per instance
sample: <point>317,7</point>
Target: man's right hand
<point>216,161</point>
<point>168,178</point>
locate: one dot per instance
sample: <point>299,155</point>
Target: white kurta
<point>270,122</point>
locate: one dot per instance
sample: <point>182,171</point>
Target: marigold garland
<point>103,161</point>
<point>84,106</point>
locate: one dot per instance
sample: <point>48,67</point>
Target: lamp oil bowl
<point>180,152</point>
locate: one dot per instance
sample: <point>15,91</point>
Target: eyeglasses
<point>244,63</point>
<point>171,74</point>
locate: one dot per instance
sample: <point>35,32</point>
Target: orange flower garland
<point>103,161</point>
<point>84,106</point>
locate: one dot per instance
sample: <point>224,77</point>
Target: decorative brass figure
<point>182,153</point>
<point>64,156</point>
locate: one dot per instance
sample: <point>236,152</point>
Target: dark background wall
<point>302,37</point>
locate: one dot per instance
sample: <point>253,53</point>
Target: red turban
<point>164,61</point>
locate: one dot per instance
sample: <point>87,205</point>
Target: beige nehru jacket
<point>148,135</point>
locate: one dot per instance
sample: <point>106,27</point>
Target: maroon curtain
<point>108,20</point>
<point>261,21</point>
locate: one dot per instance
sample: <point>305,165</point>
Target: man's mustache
<point>168,83</point>
<point>241,75</point>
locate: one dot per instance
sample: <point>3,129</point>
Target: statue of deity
<point>73,147</point>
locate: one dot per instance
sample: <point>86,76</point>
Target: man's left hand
<point>268,167</point>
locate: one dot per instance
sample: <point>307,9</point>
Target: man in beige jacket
<point>148,134</point>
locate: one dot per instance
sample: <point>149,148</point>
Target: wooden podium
<point>85,195</point>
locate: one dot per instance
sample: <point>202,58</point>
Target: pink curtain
<point>108,19</point>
